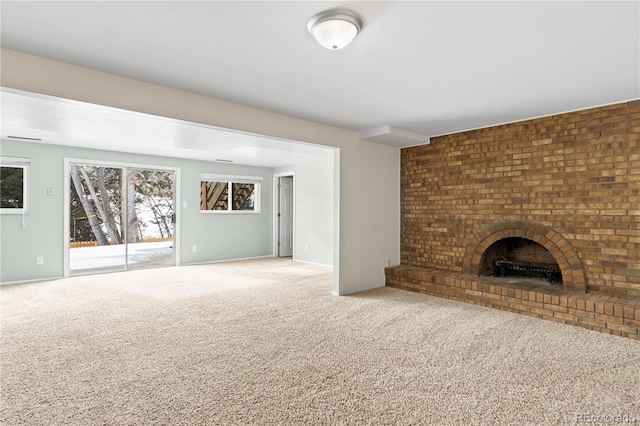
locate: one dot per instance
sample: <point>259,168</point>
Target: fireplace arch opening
<point>517,257</point>
<point>573,276</point>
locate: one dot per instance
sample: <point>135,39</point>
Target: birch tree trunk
<point>132,217</point>
<point>104,214</point>
<point>88,208</point>
<point>109,221</point>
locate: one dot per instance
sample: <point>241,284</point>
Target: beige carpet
<point>265,342</point>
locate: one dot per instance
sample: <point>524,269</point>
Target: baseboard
<point>209,262</point>
<point>314,263</point>
<point>36,280</point>
<point>360,290</point>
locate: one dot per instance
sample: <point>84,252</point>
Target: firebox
<point>520,257</point>
<point>528,247</point>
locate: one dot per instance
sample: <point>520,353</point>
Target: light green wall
<point>314,211</point>
<point>218,237</point>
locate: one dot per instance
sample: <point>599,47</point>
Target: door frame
<point>118,164</point>
<point>276,206</point>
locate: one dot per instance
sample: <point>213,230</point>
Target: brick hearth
<point>569,182</point>
<point>599,312</point>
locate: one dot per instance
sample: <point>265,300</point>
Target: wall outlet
<point>306,247</point>
<point>39,260</point>
<point>194,248</point>
<point>184,204</point>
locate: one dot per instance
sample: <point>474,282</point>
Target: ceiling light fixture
<point>334,29</point>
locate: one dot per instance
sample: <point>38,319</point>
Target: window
<point>14,185</point>
<point>229,194</point>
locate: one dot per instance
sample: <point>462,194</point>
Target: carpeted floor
<point>264,342</point>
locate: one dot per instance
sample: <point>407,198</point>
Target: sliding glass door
<point>119,218</point>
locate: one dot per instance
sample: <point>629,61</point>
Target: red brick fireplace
<point>553,204</point>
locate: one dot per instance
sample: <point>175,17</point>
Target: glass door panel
<point>150,218</point>
<point>96,242</point>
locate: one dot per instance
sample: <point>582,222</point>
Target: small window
<point>14,185</point>
<point>228,194</point>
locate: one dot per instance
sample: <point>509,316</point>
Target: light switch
<point>49,191</point>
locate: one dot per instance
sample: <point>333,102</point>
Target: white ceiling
<point>422,67</point>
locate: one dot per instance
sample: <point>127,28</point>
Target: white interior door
<point>285,216</point>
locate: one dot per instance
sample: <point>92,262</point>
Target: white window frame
<point>24,164</point>
<point>231,179</point>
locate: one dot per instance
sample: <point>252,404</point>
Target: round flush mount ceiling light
<point>334,29</point>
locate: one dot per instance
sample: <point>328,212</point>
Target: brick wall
<point>576,173</point>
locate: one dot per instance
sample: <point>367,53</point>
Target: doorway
<point>284,215</point>
<point>118,217</point>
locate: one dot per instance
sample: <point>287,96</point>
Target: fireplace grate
<point>548,271</point>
